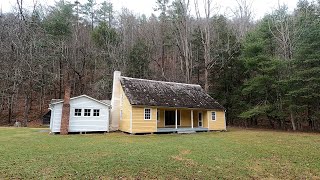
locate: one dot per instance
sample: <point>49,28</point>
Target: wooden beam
<point>192,119</point>
<point>176,118</point>
<point>157,118</point>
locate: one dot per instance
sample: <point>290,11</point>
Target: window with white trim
<point>147,114</point>
<point>87,112</point>
<point>77,112</point>
<point>213,116</point>
<point>96,112</point>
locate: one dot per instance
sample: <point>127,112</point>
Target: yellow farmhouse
<point>148,106</point>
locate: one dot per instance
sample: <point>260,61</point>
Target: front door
<point>170,118</point>
<point>200,119</point>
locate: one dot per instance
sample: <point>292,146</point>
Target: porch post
<point>192,119</point>
<point>176,118</point>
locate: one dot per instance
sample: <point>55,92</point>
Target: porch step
<point>186,132</point>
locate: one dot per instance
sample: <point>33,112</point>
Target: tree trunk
<point>60,78</point>
<point>10,106</point>
<point>26,109</point>
<point>293,123</point>
<point>206,81</point>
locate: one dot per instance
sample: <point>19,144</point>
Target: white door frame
<point>200,120</point>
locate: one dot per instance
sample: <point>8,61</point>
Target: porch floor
<point>182,129</point>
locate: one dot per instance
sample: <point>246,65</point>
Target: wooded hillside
<point>264,72</point>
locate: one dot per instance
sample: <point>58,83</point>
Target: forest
<point>265,72</point>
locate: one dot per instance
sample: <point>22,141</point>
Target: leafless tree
<point>243,17</point>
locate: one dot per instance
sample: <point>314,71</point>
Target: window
<point>158,116</point>
<point>77,112</point>
<point>147,114</point>
<point>213,116</point>
<point>87,112</point>
<point>96,112</point>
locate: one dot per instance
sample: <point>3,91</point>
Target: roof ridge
<point>160,81</point>
<point>83,95</point>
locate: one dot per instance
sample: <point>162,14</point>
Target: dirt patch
<point>185,152</point>
<point>186,161</point>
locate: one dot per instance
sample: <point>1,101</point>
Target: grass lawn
<point>29,153</point>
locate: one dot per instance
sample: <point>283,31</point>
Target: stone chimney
<point>66,108</point>
<point>115,102</point>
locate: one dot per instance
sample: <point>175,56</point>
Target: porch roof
<point>167,94</point>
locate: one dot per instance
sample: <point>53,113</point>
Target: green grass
<point>243,154</point>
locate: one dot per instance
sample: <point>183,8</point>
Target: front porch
<point>181,120</point>
<point>182,129</point>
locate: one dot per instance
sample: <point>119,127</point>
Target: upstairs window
<point>213,116</point>
<point>96,112</point>
<point>87,112</point>
<point>147,114</point>
<point>77,112</point>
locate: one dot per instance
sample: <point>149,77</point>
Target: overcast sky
<point>259,7</point>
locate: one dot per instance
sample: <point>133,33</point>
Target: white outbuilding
<point>86,115</point>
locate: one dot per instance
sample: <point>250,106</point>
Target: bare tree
<point>281,27</point>
<point>181,22</point>
<point>242,17</point>
<point>206,38</point>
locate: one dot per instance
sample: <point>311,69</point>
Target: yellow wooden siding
<point>161,119</point>
<point>139,125</point>
<point>205,119</point>
<point>219,123</point>
<point>185,116</point>
<point>125,106</point>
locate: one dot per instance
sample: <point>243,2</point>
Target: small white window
<point>96,112</point>
<point>77,112</point>
<point>87,112</point>
<point>158,116</point>
<point>213,116</point>
<point>147,114</point>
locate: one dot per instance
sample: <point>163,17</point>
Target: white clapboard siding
<point>84,123</point>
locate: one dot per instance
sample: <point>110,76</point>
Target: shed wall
<point>82,123</point>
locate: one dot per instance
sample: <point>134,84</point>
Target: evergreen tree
<point>261,90</point>
<point>105,13</point>
<point>138,65</point>
<point>304,84</point>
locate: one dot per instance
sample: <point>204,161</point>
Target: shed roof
<point>167,94</point>
<point>104,102</point>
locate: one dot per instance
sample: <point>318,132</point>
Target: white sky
<point>259,7</point>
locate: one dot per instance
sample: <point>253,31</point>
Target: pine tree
<point>304,84</point>
<point>261,89</point>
